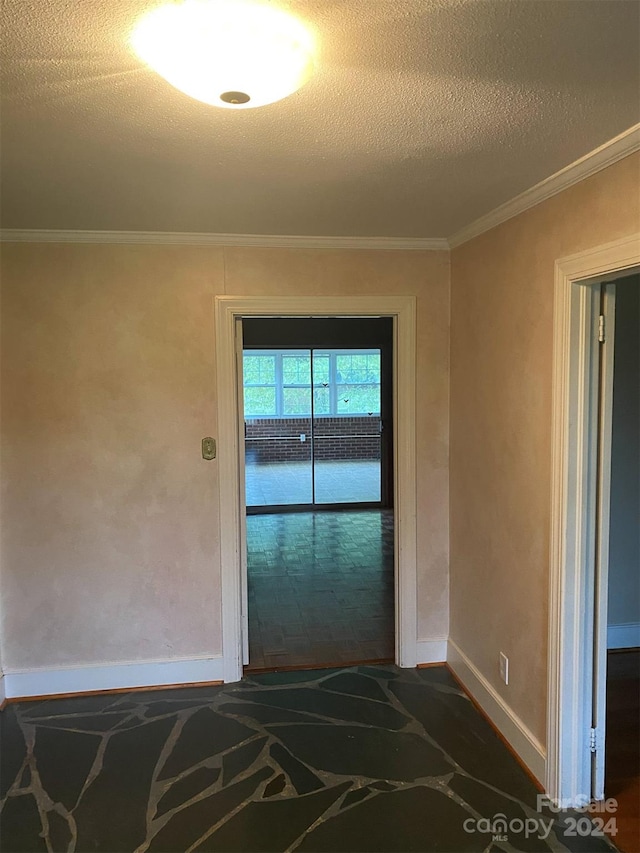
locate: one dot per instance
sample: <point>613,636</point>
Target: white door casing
<point>242,497</point>
<point>227,310</point>
<point>574,511</point>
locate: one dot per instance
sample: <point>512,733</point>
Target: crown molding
<point>615,149</point>
<point>179,238</point>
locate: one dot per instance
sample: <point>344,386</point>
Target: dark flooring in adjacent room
<point>622,770</point>
<point>321,588</point>
<point>359,759</point>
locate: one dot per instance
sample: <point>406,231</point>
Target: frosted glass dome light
<point>228,53</point>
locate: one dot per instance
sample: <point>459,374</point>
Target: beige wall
<point>501,357</point>
<point>110,518</point>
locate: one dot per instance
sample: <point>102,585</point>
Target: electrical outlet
<point>504,668</point>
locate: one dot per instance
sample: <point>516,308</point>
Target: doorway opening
<point>228,311</point>
<point>622,665</point>
<point>317,407</point>
<point>585,535</point>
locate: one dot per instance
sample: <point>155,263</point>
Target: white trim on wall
<point>571,559</point>
<point>503,717</point>
<point>180,238</point>
<point>621,146</point>
<point>403,311</point>
<point>615,149</point>
<point>623,636</point>
<point>111,676</point>
<point>431,651</point>
<point>3,694</point>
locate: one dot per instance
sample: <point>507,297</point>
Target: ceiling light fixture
<point>228,53</point>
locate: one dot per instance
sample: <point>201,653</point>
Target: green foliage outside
<point>355,377</point>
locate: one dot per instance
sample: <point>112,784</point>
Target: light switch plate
<point>208,448</point>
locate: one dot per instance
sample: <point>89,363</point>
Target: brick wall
<point>273,440</point>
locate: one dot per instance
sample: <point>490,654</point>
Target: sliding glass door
<point>346,426</point>
<point>278,428</point>
<point>312,427</point>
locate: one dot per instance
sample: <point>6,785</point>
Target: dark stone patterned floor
<point>360,759</point>
<point>321,588</point>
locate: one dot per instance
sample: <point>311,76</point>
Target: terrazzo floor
<point>359,759</point>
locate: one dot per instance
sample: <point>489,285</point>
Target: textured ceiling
<point>422,115</point>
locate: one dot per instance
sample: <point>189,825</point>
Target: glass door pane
<point>346,426</point>
<point>277,418</point>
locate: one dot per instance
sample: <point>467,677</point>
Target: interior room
<point>449,169</point>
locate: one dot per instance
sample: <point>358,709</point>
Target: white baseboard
<point>110,676</point>
<point>431,651</point>
<point>625,636</point>
<point>515,732</point>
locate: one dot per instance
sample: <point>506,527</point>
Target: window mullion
<point>279,387</point>
<point>333,393</point>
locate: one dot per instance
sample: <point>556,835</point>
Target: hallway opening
<point>622,690</point>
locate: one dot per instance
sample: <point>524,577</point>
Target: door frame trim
<point>571,622</point>
<point>402,309</point>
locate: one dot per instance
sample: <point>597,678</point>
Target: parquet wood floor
<point>320,589</point>
<point>622,768</point>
